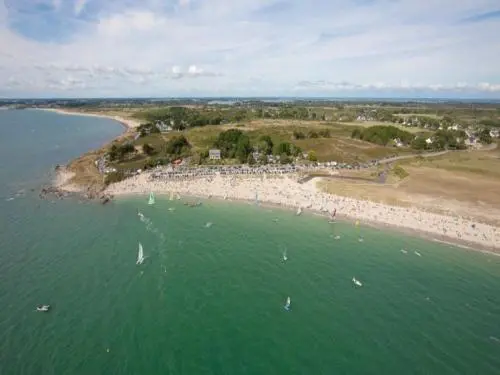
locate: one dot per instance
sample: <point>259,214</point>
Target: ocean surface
<point>209,298</point>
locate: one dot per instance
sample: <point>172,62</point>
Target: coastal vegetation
<point>298,131</point>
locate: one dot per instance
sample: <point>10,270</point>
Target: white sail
<point>287,304</point>
<point>151,198</point>
<point>299,211</point>
<point>140,255</point>
<point>356,282</point>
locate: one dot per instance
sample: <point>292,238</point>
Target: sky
<point>292,48</point>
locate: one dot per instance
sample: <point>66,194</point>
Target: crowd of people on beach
<point>184,172</point>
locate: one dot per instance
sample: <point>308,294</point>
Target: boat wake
<point>150,227</point>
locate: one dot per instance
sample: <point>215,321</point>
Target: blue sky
<point>374,48</point>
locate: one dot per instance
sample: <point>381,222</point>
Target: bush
<point>313,134</point>
<point>148,149</point>
<point>114,177</point>
<point>311,156</point>
<point>298,135</point>
<point>177,145</point>
<point>400,172</point>
<point>325,133</point>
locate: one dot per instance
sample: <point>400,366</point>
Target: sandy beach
<point>126,122</point>
<point>287,192</point>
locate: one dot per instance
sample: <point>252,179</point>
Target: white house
<point>163,127</point>
<point>398,142</point>
<point>428,141</point>
<point>494,133</point>
<point>214,154</point>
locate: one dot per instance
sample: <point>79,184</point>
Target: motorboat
<point>43,308</point>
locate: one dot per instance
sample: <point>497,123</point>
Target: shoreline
<point>66,175</point>
<point>287,193</point>
<point>126,123</point>
<point>483,237</point>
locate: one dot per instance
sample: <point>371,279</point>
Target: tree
<point>284,159</point>
<point>266,144</point>
<point>311,156</point>
<point>313,134</point>
<point>356,133</point>
<point>283,148</point>
<point>177,145</point>
<point>227,142</point>
<point>298,135</point>
<point>419,143</point>
<point>148,149</point>
<point>485,137</point>
<point>324,133</point>
<point>243,148</point>
<point>113,153</point>
<point>250,159</point>
<point>263,159</point>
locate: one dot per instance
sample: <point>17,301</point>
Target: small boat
<point>356,282</point>
<point>299,211</point>
<point>285,258</point>
<point>404,251</point>
<point>208,225</point>
<point>171,209</point>
<point>337,237</point>
<point>287,304</point>
<point>178,197</point>
<point>418,254</point>
<point>140,255</point>
<point>151,198</point>
<point>332,216</point>
<point>43,308</point>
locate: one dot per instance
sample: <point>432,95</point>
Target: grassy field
<point>339,146</point>
<point>466,183</point>
<point>429,115</point>
<point>366,124</point>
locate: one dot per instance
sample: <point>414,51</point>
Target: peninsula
<point>431,167</point>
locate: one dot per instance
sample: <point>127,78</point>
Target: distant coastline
<point>127,123</point>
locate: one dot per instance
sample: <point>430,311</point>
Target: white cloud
<point>160,47</point>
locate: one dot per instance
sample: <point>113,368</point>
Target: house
<point>428,141</point>
<point>214,154</point>
<point>256,155</point>
<point>397,142</point>
<point>494,133</point>
<point>162,127</point>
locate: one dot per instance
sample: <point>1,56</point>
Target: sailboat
<point>287,304</point>
<point>140,255</point>
<point>332,216</point>
<point>299,211</point>
<point>151,198</point>
<point>356,282</point>
<point>285,258</point>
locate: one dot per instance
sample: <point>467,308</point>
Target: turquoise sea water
<point>209,300</point>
